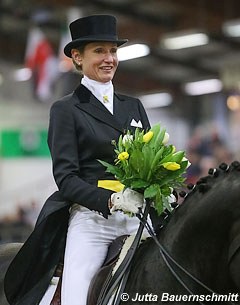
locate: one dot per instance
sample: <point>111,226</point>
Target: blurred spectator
<point>18,226</point>
<point>207,162</point>
<point>194,171</point>
<point>206,150</point>
<point>222,154</point>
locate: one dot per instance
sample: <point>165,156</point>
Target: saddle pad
<point>127,244</point>
<point>108,270</point>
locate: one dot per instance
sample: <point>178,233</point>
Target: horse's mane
<point>202,235</point>
<point>214,175</point>
<point>220,187</point>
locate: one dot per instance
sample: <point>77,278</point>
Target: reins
<point>167,257</point>
<point>115,285</point>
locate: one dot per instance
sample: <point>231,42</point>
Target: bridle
<point>167,258</point>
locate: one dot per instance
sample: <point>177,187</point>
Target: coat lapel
<point>121,110</point>
<point>88,103</point>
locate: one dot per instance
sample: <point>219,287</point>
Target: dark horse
<point>203,237</point>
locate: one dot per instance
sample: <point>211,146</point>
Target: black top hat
<point>92,28</point>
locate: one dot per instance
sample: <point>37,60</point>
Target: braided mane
<point>202,235</point>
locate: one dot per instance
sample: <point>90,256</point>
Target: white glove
<point>127,201</point>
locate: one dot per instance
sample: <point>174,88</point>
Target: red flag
<point>43,63</point>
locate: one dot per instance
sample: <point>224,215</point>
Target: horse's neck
<point>198,238</point>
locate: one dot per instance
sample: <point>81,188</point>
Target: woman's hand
<point>127,201</point>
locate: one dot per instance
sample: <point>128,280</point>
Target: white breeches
<point>89,235</point>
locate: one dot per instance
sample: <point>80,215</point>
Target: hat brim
<point>78,42</point>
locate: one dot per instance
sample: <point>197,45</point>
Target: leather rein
<point>114,286</point>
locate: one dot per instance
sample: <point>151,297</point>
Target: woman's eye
<point>98,50</point>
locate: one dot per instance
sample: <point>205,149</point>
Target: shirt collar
<point>102,91</point>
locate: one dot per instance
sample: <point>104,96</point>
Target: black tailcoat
<point>80,132</point>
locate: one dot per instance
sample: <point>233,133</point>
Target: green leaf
<point>178,156</point>
<point>166,203</point>
<point>184,165</point>
<point>136,160</point>
<point>151,191</point>
<point>120,146</point>
<point>166,191</point>
<point>111,168</point>
<point>169,177</point>
<point>106,164</point>
<point>158,204</point>
<point>154,162</point>
<point>139,184</point>
<point>148,156</point>
<point>167,151</point>
<point>158,136</point>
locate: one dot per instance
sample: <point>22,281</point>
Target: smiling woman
<point>98,61</point>
<point>76,224</point>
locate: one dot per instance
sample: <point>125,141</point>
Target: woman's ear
<point>76,56</point>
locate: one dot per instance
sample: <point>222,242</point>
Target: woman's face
<point>98,60</point>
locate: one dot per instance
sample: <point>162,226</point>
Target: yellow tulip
<point>123,156</point>
<point>148,136</point>
<point>171,166</point>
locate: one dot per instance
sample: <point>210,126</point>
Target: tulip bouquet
<point>146,163</point>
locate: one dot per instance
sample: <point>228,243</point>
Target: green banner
<point>23,143</point>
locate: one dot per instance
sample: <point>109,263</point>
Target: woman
<point>82,127</point>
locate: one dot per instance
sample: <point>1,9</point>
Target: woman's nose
<point>108,57</point>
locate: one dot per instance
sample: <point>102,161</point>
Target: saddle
<point>100,277</point>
